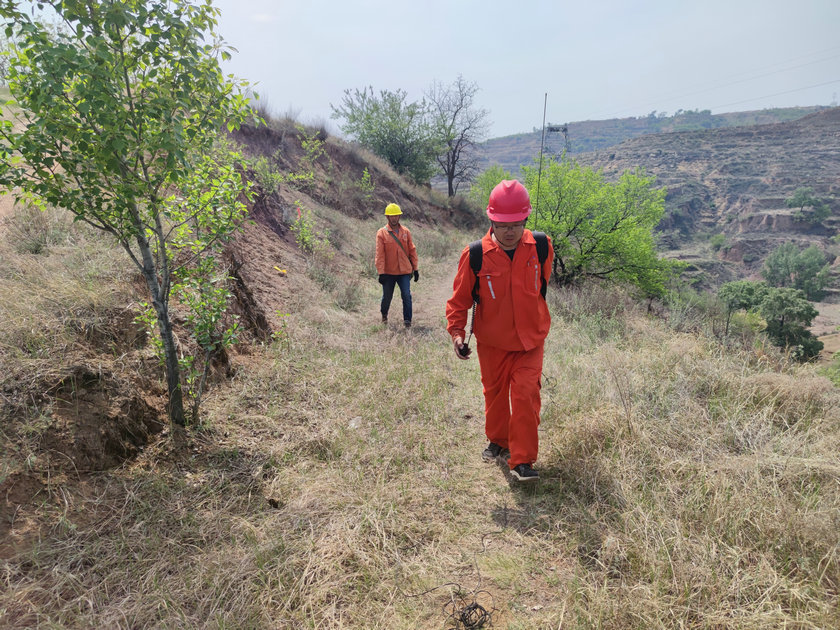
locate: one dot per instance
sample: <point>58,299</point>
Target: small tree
<point>804,198</point>
<point>806,270</point>
<point>741,295</point>
<point>397,131</point>
<point>458,126</point>
<point>119,114</point>
<point>599,229</point>
<point>788,315</point>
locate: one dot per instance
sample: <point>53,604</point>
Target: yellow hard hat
<point>392,210</point>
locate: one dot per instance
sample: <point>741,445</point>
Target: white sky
<point>595,59</point>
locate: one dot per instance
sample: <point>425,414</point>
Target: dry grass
<point>337,483</point>
<point>58,281</point>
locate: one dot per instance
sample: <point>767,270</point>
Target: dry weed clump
<point>31,230</point>
<point>435,245</point>
<point>49,297</point>
<point>791,399</point>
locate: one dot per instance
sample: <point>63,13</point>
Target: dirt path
<point>7,203</point>
<point>825,327</point>
<point>831,344</point>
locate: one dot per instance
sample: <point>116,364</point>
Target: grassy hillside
<point>336,480</point>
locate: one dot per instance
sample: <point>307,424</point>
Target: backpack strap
<point>542,254</point>
<point>476,255</point>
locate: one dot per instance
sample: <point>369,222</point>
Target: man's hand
<point>381,278</point>
<point>462,352</point>
<point>416,275</point>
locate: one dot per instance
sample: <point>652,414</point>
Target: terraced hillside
<point>513,151</point>
<point>735,183</point>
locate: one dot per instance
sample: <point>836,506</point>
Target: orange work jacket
<point>390,257</point>
<point>512,314</point>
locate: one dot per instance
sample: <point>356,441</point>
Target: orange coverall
<point>390,258</point>
<point>511,324</point>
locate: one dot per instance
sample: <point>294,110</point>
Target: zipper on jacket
<point>490,286</point>
<point>536,277</point>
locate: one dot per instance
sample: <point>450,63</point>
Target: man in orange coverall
<point>396,261</point>
<point>510,325</point>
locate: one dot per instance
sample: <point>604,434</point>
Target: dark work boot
<point>494,451</point>
<point>524,472</point>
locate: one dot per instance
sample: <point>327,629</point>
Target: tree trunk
<point>173,371</point>
<point>175,408</point>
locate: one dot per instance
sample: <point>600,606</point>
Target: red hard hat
<point>509,202</point>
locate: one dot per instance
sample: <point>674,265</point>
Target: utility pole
<point>539,171</point>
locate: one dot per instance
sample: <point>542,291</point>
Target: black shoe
<point>524,472</point>
<point>493,451</point>
<point>407,323</point>
<point>384,319</point>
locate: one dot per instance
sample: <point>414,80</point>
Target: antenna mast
<point>539,171</point>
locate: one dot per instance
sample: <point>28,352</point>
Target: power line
<point>745,79</point>
<point>758,98</point>
<point>758,76</point>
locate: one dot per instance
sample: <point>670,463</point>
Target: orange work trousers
<point>511,383</point>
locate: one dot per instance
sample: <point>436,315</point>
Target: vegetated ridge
<point>516,150</point>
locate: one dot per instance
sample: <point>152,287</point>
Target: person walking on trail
<point>396,262</point>
<point>510,323</point>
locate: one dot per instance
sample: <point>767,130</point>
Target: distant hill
<point>511,152</point>
<point>733,183</point>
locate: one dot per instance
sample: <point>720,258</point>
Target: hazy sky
<point>594,58</point>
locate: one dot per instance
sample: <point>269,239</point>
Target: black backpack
<point>476,255</point>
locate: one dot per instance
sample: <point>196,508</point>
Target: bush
<point>349,296</point>
<point>717,241</point>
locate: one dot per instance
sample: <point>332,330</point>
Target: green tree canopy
<point>785,310</point>
<point>804,198</point>
<point>807,269</point>
<point>788,315</point>
<point>119,113</point>
<point>397,131</point>
<point>741,295</point>
<point>599,229</point>
<point>485,182</point>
